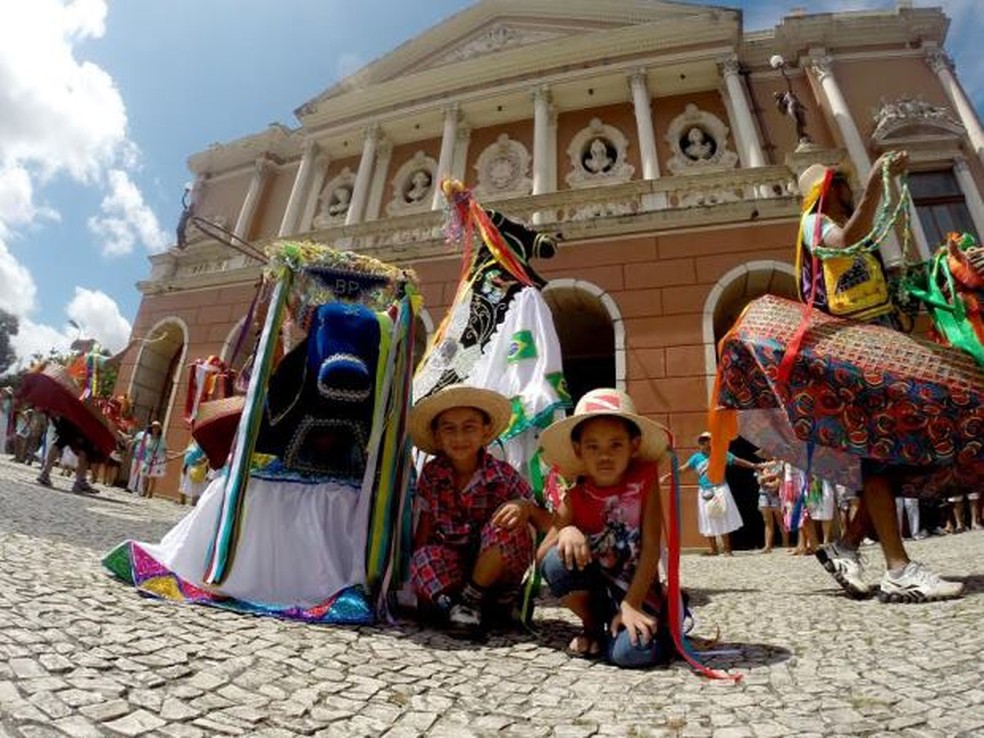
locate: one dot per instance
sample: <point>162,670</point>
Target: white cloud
<point>95,313</point>
<point>126,219</point>
<point>19,290</point>
<point>98,316</point>
<point>63,116</point>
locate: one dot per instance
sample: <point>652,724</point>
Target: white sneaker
<point>465,616</point>
<point>916,583</point>
<point>847,567</point>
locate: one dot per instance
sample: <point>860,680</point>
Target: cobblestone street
<point>81,654</point>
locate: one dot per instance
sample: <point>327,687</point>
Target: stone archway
<point>592,337</point>
<point>724,304</point>
<point>158,371</point>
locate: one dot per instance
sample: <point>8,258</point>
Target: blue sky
<point>102,102</point>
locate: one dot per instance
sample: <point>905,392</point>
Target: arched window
<point>157,372</point>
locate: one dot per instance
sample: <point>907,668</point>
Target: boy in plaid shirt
<point>472,541</point>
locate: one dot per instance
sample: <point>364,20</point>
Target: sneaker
<point>44,479</point>
<point>846,566</point>
<point>921,536</point>
<point>84,488</point>
<point>916,583</point>
<point>465,617</point>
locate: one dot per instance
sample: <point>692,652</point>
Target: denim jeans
<point>605,601</point>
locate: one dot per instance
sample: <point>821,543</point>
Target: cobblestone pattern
<point>82,655</point>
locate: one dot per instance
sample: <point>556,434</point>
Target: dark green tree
<point>9,326</point>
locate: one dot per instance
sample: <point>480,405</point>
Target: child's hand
<point>573,548</point>
<point>641,627</point>
<point>511,514</point>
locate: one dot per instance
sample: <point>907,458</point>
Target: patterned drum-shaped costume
<point>857,393</point>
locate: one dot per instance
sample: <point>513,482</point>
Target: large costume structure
<point>302,523</point>
<point>499,332</point>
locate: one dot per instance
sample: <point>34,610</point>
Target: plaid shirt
<point>457,517</point>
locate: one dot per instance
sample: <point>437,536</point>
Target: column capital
<point>372,133</point>
<point>729,65</point>
<point>541,94</point>
<point>263,165</point>
<point>821,66</point>
<point>638,78</point>
<point>310,148</point>
<point>939,61</point>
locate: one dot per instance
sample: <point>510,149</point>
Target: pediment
<point>907,120</point>
<point>494,26</point>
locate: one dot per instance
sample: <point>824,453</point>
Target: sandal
<point>585,646</point>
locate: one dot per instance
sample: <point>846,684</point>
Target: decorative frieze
<point>598,156</point>
<point>503,170</point>
<point>413,185</point>
<point>699,142</point>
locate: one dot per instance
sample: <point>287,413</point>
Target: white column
<point>644,124</point>
<point>261,169</point>
<point>918,232</point>
<point>541,140</point>
<point>746,135</point>
<point>298,192</point>
<point>552,150</point>
<point>383,155</point>
<point>317,182</point>
<point>820,66</point>
<point>459,164</point>
<point>446,159</point>
<point>360,190</point>
<point>943,66</point>
<point>972,195</point>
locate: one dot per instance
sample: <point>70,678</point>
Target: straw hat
<point>702,436</point>
<point>422,416</point>
<point>558,447</point>
<point>810,178</point>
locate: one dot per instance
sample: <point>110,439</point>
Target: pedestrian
<point>717,511</point>
<point>830,220</point>
<point>67,435</point>
<point>603,563</point>
<point>769,477</point>
<point>153,459</point>
<point>194,473</point>
<point>136,448</point>
<point>472,544</point>
<point>6,417</point>
<point>21,433</point>
<point>36,430</point>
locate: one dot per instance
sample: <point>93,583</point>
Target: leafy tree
<point>9,326</point>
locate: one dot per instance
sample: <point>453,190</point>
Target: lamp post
<point>788,104</point>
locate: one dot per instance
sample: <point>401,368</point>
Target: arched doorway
<point>157,372</point>
<point>725,303</point>
<point>591,336</point>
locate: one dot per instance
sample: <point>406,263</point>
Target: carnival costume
<point>302,523</point>
<point>834,396</point>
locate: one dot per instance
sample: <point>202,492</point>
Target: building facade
<point>652,136</point>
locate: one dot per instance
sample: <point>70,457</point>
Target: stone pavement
<point>81,654</point>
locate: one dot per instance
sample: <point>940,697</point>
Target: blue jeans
<point>605,600</point>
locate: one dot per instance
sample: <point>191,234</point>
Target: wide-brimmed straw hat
<point>496,406</point>
<point>558,446</point>
<point>810,178</point>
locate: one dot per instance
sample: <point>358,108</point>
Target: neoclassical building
<point>647,134</point>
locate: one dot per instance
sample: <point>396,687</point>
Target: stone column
<point>460,161</point>
<point>446,159</point>
<point>644,124</point>
<point>298,192</point>
<point>383,155</point>
<point>943,66</point>
<point>261,170</point>
<point>360,190</point>
<point>972,196</point>
<point>821,68</point>
<point>541,140</point>
<point>746,135</point>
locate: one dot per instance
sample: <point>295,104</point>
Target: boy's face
<point>460,432</point>
<point>606,448</point>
